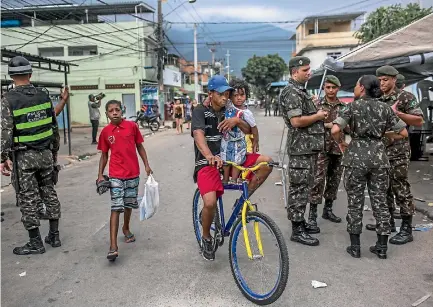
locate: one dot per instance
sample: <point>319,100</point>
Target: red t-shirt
<point>121,141</point>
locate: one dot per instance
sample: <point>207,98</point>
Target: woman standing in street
<point>365,160</point>
<point>178,112</point>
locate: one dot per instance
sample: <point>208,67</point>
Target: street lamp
<point>189,1</point>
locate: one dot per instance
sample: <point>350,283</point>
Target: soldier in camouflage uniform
<point>29,134</point>
<point>305,139</point>
<point>328,167</point>
<point>365,161</point>
<point>268,103</point>
<point>400,82</point>
<point>407,108</point>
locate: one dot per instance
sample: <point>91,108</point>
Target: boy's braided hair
<point>240,84</point>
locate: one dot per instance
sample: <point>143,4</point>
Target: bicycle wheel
<point>271,290</point>
<point>197,206</point>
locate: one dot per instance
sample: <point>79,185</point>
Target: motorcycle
<point>150,121</point>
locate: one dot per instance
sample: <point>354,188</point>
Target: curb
<point>428,213</point>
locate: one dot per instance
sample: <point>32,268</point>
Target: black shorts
<point>178,116</point>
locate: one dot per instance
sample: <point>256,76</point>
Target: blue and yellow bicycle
<point>255,240</point>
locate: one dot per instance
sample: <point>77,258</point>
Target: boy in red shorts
<point>208,124</point>
<point>123,139</point>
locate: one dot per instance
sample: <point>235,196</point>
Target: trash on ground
<point>83,157</point>
<point>278,183</point>
<point>418,171</point>
<point>2,190</point>
<point>23,274</point>
<point>318,284</point>
<point>367,208</point>
<point>421,300</point>
<point>430,204</point>
<point>18,262</point>
<point>423,227</point>
<point>419,199</point>
<point>425,178</point>
<point>69,291</point>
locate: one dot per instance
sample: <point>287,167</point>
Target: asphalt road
<point>163,267</point>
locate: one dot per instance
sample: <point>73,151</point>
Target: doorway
<point>128,100</point>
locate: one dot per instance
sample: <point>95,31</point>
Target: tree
<point>260,71</point>
<point>385,20</point>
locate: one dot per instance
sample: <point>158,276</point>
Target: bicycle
<point>233,229</point>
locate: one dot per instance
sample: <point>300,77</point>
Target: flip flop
<point>112,254</point>
<point>130,238</point>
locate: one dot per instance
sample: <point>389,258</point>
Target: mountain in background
<point>242,41</point>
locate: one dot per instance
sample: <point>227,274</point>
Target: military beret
<point>298,61</point>
<point>386,71</point>
<point>400,78</point>
<point>333,79</point>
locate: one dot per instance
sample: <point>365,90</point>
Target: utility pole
<point>195,64</point>
<point>212,49</point>
<point>160,65</point>
<point>228,65</point>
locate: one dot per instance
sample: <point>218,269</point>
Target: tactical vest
<point>33,117</point>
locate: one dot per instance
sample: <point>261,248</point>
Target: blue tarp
<point>279,83</point>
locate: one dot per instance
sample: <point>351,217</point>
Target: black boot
<point>311,226</point>
<point>405,234</point>
<point>381,246</point>
<point>354,249</point>
<point>53,235</point>
<point>328,214</point>
<point>301,236</point>
<point>372,227</point>
<point>34,246</point>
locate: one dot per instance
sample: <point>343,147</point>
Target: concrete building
<point>319,37</point>
<point>116,57</point>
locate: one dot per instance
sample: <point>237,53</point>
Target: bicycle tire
<point>281,284</point>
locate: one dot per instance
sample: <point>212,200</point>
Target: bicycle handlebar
<point>252,168</point>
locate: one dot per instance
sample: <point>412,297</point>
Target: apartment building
<point>114,55</point>
<point>319,37</point>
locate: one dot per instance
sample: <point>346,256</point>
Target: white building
<point>319,37</point>
<point>117,58</point>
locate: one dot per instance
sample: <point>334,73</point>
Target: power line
<point>236,22</point>
<point>169,40</point>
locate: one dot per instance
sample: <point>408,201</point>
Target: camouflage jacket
<point>368,120</point>
<point>406,103</point>
<point>7,130</point>
<point>331,146</point>
<point>295,101</point>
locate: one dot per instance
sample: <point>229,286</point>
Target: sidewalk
<point>421,179</point>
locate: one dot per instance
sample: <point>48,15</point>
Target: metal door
<point>129,101</point>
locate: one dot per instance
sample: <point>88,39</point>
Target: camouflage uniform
<point>268,106</point>
<point>328,167</point>
<point>303,146</point>
<point>35,170</point>
<point>365,161</point>
<point>398,153</point>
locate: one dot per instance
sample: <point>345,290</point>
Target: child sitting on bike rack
<point>233,143</point>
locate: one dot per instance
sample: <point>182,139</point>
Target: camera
<point>99,96</point>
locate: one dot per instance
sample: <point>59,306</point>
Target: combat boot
<point>328,214</point>
<point>300,235</point>
<point>354,249</point>
<point>372,227</point>
<point>53,235</point>
<point>311,226</point>
<point>34,246</point>
<point>405,234</point>
<point>381,246</point>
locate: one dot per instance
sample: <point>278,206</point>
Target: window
<point>311,31</point>
<point>50,52</point>
<point>82,50</point>
<point>333,54</point>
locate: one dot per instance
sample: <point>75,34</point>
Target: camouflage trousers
<point>329,171</point>
<point>399,187</point>
<point>377,180</point>
<point>301,180</point>
<point>35,174</point>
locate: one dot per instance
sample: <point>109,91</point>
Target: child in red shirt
<point>123,139</point>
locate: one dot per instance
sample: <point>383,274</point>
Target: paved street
<point>163,267</point>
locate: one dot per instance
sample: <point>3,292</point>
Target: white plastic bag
<point>150,202</point>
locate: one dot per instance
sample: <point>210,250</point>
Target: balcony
<point>333,39</point>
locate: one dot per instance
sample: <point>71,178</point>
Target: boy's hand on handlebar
<point>214,161</point>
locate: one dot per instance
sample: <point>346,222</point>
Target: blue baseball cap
<point>218,83</point>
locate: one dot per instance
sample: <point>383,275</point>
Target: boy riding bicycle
<point>208,124</point>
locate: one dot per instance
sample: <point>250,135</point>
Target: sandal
<point>129,238</point>
<point>112,254</point>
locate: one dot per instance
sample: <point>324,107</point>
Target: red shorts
<point>209,178</point>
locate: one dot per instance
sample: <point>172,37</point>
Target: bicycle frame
<point>242,204</point>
